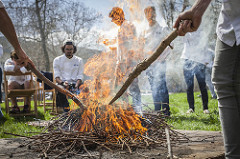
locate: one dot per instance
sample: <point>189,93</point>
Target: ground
<point>203,144</point>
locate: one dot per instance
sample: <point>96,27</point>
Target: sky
<point>103,6</point>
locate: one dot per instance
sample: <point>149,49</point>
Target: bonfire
<point>94,123</point>
<point>99,119</point>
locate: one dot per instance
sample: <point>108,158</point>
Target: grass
<point>179,119</point>
<point>17,125</point>
<point>195,121</point>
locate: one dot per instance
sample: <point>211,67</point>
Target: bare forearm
<point>7,28</point>
<point>200,7</point>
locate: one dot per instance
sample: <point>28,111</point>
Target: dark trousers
<point>157,79</point>
<point>190,69</point>
<point>62,100</point>
<point>226,80</point>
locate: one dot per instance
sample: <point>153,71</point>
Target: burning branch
<point>61,141</point>
<point>144,65</point>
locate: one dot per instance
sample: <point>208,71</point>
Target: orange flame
<point>116,120</point>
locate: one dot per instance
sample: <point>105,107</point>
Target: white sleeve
<point>9,65</point>
<point>56,68</point>
<point>81,69</point>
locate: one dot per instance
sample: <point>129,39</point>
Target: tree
<point>46,21</point>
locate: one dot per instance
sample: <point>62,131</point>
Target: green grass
<point>179,119</point>
<point>195,121</point>
<point>17,125</point>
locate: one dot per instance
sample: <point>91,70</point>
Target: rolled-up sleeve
<point>56,68</point>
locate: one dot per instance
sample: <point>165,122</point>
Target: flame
<point>107,71</point>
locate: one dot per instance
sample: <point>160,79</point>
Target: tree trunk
<point>42,34</point>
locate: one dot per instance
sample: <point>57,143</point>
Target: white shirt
<point>153,37</point>
<point>68,69</point>
<point>228,28</point>
<point>194,48</point>
<point>9,66</point>
<point>1,4</point>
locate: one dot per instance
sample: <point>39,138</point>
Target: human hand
<point>187,22</point>
<point>23,59</point>
<point>66,85</point>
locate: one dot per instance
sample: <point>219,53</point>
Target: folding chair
<point>20,93</point>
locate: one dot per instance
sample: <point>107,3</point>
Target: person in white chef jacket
<point>68,73</point>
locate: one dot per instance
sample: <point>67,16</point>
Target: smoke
<point>134,12</point>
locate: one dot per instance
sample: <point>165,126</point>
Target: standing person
<point>68,72</point>
<point>157,71</point>
<point>126,52</point>
<point>8,30</point>
<point>17,82</point>
<point>1,53</point>
<point>194,65</point>
<point>226,67</point>
<point>208,72</point>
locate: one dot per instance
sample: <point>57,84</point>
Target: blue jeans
<point>226,79</point>
<point>157,79</point>
<point>190,69</point>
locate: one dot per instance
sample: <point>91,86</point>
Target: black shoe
<point>15,110</point>
<point>26,109</point>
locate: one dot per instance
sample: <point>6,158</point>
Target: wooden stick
<point>145,64</point>
<point>170,155</point>
<point>51,84</point>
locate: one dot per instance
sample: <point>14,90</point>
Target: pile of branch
<point>60,139</point>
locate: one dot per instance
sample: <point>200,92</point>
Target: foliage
<point>42,29</point>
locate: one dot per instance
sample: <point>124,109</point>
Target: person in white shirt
<point>226,67</point>
<point>157,71</point>
<point>17,82</point>
<point>127,54</point>
<point>68,72</point>
<point>194,65</point>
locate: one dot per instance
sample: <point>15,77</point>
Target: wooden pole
<point>170,154</point>
<point>145,64</point>
<point>51,84</point>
